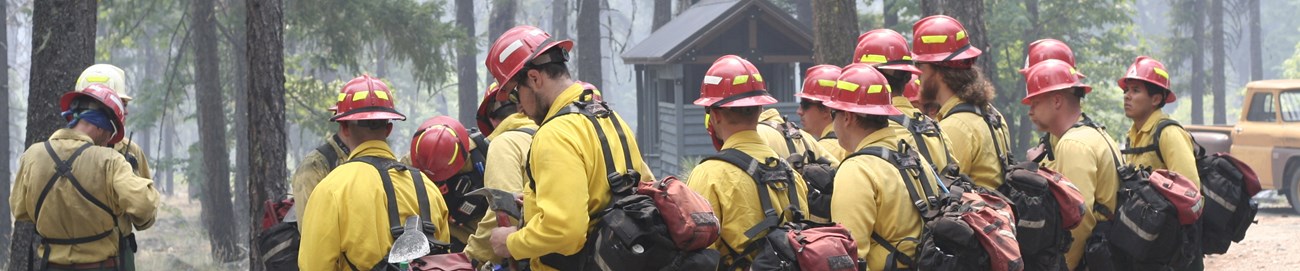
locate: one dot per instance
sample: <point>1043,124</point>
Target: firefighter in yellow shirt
<point>347,223</point>
<point>887,51</point>
<point>566,185</point>
<point>734,94</point>
<point>950,79</point>
<point>83,197</point>
<point>1080,149</point>
<point>871,198</point>
<point>1146,91</point>
<point>511,134</point>
<point>819,81</point>
<point>313,167</point>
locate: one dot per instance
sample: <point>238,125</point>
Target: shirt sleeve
<point>135,195</point>
<point>321,237</point>
<point>854,204</point>
<point>561,193</point>
<point>703,182</point>
<point>18,197</point>
<point>1176,147</point>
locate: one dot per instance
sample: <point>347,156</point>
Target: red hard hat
<point>366,98</point>
<point>1147,69</point>
<point>886,49</point>
<point>519,47</point>
<point>1045,49</point>
<point>1051,75</point>
<point>106,98</point>
<point>862,89</point>
<point>733,82</point>
<point>819,82</point>
<point>913,89</point>
<point>440,148</point>
<point>484,107</point>
<point>941,38</point>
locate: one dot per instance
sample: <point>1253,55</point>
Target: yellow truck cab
<point>1266,137</point>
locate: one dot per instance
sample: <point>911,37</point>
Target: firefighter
<point>950,80</point>
<point>566,185</point>
<point>886,50</point>
<point>1080,149</point>
<point>347,224</point>
<point>1146,92</point>
<point>819,81</point>
<point>314,166</point>
<point>785,144</point>
<point>83,196</point>
<point>1039,51</point>
<point>870,197</point>
<point>511,134</point>
<point>115,79</point>
<point>734,95</point>
<point>441,149</point>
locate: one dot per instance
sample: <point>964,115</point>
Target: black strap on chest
<point>595,111</point>
<point>993,119</point>
<point>1155,140</point>
<point>778,176</point>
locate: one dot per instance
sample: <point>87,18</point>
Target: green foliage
<point>1291,67</point>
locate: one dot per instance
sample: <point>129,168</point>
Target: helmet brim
<point>750,101</point>
<point>878,110</point>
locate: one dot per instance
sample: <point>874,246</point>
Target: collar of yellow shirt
<point>514,121</point>
<point>376,148</point>
<point>877,137</point>
<point>948,106</point>
<point>70,134</point>
<point>1149,124</point>
<point>569,95</point>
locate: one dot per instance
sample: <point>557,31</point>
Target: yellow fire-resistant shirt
<point>105,174</point>
<point>506,157</point>
<point>776,138</point>
<point>1175,145</point>
<point>311,170</point>
<point>871,198</point>
<point>1086,156</point>
<point>831,143</point>
<point>568,170</point>
<point>347,219</point>
<point>733,194</point>
<point>972,145</point>
<point>938,146</point>
<point>141,162</point>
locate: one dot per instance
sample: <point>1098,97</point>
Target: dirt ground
<point>1273,244</point>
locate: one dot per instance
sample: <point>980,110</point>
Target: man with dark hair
<point>818,83</point>
<point>950,80</point>
<point>887,51</point>
<point>1146,91</point>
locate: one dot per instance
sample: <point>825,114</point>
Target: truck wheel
<point>1293,188</point>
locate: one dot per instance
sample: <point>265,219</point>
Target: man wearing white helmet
<point>115,78</point>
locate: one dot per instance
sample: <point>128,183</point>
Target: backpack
<point>688,215</point>
<point>277,244</point>
<point>921,127</point>
<point>631,233</point>
<point>382,165</point>
<point>909,166</point>
<point>1153,227</point>
<point>974,231</point>
<point>1230,186</point>
<point>1047,207</point>
<point>792,245</point>
<point>816,171</point>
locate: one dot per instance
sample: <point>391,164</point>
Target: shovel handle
<point>503,220</point>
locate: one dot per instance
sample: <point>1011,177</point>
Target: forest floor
<point>177,241</point>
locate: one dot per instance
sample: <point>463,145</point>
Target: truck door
<point>1253,140</point>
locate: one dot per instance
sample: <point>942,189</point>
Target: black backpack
<point>922,127</point>
<point>630,233</point>
<point>1229,187</point>
<point>770,238</point>
<point>925,199</point>
<point>395,226</point>
<point>816,171</point>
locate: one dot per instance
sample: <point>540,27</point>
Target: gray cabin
<point>670,65</point>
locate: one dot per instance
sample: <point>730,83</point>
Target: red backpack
<point>688,215</point>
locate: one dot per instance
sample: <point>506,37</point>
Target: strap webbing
<point>765,177</point>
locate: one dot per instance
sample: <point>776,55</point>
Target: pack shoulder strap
<point>478,155</point>
<point>526,130</point>
<point>593,111</point>
<point>922,127</point>
<point>791,133</point>
<point>1155,140</point>
<point>1114,155</point>
<point>764,177</point>
<point>382,165</point>
<point>331,155</point>
<point>63,169</point>
<point>830,135</point>
<point>993,119</point>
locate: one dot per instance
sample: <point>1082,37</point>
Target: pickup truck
<point>1267,137</point>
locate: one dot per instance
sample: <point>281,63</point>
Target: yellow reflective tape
<point>934,39</point>
<point>918,82</point>
<point>1161,72</point>
<point>873,59</point>
<point>342,95</point>
<point>381,95</point>
<point>1073,71</point>
<point>846,85</point>
<point>758,77</point>
<point>97,78</point>
<point>455,152</point>
<point>961,34</point>
<point>908,58</point>
<point>740,79</point>
<point>826,83</point>
<point>875,88</point>
<point>360,96</point>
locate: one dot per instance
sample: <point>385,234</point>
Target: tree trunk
<point>240,88</point>
<point>467,64</point>
<point>1023,133</point>
<point>217,213</point>
<point>560,19</point>
<point>168,173</point>
<point>5,171</point>
<point>502,19</point>
<point>890,12</point>
<point>1218,58</point>
<point>662,14</point>
<point>63,44</point>
<point>1256,43</point>
<point>1198,63</point>
<point>589,45</point>
<point>835,31</point>
<point>804,12</point>
<point>266,110</point>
